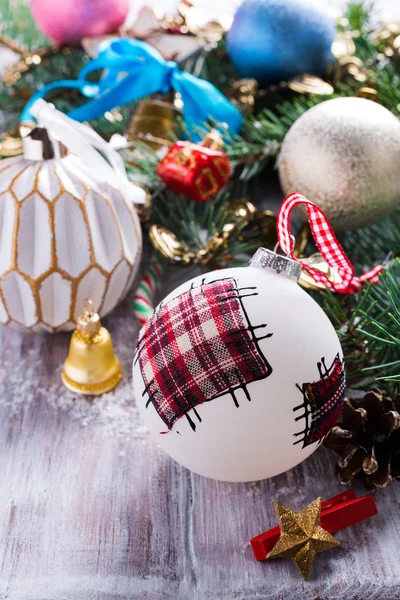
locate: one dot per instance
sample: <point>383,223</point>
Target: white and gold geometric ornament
<point>69,228</point>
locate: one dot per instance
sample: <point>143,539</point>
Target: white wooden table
<point>90,508</point>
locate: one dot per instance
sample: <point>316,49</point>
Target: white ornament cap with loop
<point>83,142</point>
<point>268,259</point>
<point>40,145</point>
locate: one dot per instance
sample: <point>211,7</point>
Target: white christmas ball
<point>239,374</point>
<point>344,155</point>
<point>65,236</point>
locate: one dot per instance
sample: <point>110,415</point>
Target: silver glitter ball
<point>344,155</point>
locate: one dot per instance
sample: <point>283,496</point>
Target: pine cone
<point>367,437</point>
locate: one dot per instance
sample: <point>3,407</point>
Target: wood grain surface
<point>90,508</point>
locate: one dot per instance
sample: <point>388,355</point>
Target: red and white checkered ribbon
<point>327,244</point>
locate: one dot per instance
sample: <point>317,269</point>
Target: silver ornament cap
<point>268,259</point>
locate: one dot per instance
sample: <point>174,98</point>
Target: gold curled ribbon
<point>238,215</point>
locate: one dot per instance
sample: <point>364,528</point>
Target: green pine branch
<point>359,16</point>
<point>368,246</point>
<point>17,24</point>
<point>141,163</point>
<point>380,326</point>
<point>249,152</point>
<point>368,326</point>
<point>196,224</point>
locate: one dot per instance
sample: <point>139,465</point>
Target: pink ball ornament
<point>69,21</point>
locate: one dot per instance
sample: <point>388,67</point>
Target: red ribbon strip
<point>327,243</point>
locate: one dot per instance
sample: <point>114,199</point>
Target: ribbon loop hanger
<point>327,244</point>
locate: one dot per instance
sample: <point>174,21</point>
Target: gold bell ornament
<point>155,122</point>
<point>91,367</point>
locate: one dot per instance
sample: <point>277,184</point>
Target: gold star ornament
<point>301,537</point>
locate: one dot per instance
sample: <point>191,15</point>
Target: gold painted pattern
<point>222,167</point>
<point>106,195</point>
<point>206,175</point>
<point>183,158</point>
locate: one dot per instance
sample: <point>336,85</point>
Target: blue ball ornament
<point>274,40</point>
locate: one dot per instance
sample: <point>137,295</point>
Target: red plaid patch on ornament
<point>323,400</point>
<point>199,346</point>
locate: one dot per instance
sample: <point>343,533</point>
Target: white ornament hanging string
<point>88,146</point>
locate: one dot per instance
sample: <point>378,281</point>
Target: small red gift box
<point>197,171</point>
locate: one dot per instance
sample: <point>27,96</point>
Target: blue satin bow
<point>135,69</point>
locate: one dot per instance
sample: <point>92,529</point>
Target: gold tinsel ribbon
<point>236,217</point>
